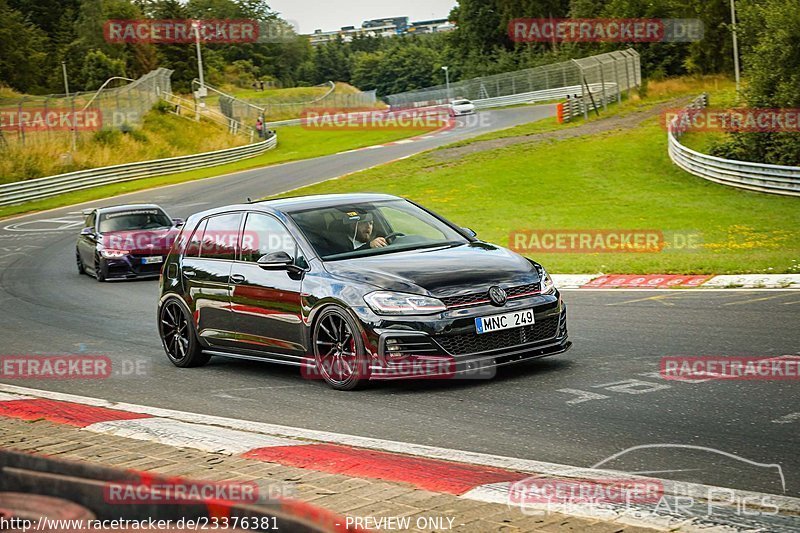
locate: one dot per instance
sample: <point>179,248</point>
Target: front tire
<point>339,353</point>
<point>99,268</point>
<point>81,268</point>
<point>176,329</point>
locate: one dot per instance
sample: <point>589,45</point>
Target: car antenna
<point>249,201</point>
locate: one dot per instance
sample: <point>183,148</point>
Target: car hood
<point>157,241</point>
<point>440,272</point>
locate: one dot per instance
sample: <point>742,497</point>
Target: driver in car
<point>362,236</point>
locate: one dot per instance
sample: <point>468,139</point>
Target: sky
<point>329,15</point>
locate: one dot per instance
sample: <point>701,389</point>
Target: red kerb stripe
<point>73,414</point>
<point>428,474</point>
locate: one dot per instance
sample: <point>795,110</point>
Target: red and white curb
<point>469,475</point>
<point>676,281</point>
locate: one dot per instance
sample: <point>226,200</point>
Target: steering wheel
<point>391,237</point>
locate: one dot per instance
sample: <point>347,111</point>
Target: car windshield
<point>364,229</point>
<point>135,219</point>
<point>461,102</point>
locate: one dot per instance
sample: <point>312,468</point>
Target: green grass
<point>616,180</point>
<point>161,135</point>
<point>290,95</point>
<point>294,143</point>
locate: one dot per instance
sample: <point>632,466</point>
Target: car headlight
<point>396,303</point>
<point>114,254</point>
<point>547,285</point>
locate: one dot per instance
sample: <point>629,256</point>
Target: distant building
<point>400,23</point>
<point>386,27</point>
<point>430,26</point>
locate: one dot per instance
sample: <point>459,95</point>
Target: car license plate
<point>152,260</point>
<point>486,324</point>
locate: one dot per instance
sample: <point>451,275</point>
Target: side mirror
<point>88,231</point>
<point>178,222</point>
<point>275,260</point>
<point>470,232</point>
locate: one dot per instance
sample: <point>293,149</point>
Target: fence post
<point>20,127</point>
<point>602,82</point>
<point>582,81</point>
<point>627,75</point>
<point>617,80</point>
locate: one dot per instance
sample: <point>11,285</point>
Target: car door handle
<point>237,278</point>
<point>189,273</point>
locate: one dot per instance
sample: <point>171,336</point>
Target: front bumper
<point>448,346</point>
<point>130,267</point>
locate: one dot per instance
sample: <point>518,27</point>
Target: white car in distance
<point>462,107</point>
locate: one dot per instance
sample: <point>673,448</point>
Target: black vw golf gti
<point>351,288</point>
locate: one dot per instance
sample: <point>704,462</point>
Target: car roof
<point>127,207</point>
<point>301,203</point>
<point>293,204</point>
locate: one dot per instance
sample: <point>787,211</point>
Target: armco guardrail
<point>775,179</point>
<point>36,189</point>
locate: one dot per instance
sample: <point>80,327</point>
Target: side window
<point>264,234</point>
<point>91,220</point>
<point>220,236</point>
<point>193,246</point>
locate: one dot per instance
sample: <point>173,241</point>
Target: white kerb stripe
<point>187,435</point>
<point>6,397</point>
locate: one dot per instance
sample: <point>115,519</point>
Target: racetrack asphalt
<point>579,408</point>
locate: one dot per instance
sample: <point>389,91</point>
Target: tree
<point>24,51</point>
<point>98,67</point>
<point>770,32</point>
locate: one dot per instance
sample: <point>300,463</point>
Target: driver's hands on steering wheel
<point>378,242</point>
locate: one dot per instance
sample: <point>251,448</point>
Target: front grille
<point>520,290</point>
<point>465,300</point>
<point>473,343</point>
<point>476,298</point>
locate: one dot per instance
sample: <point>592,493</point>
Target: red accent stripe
<point>73,414</point>
<point>428,474</point>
